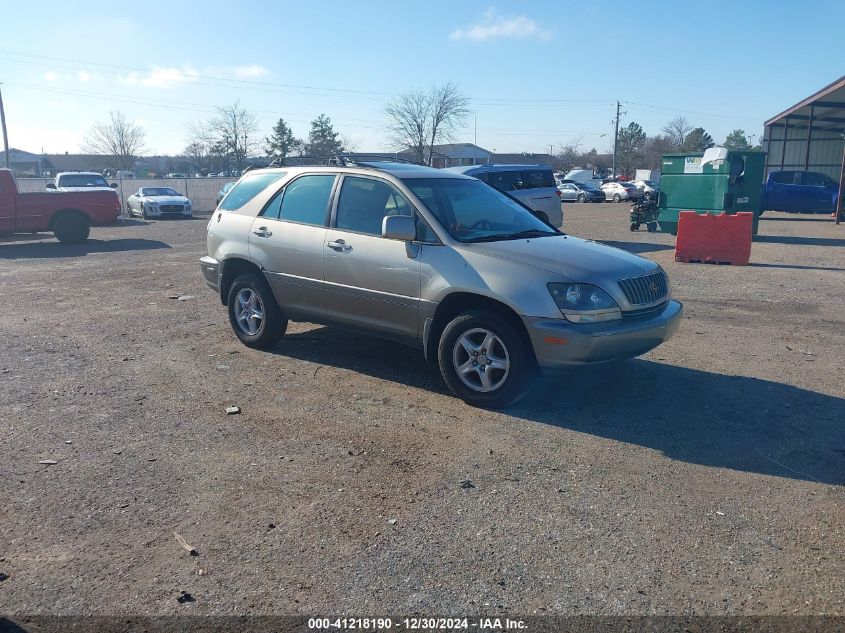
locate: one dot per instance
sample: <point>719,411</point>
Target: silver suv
<point>434,259</point>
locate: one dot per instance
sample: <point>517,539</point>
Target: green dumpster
<point>718,181</point>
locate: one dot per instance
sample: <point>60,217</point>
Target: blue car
<point>802,191</point>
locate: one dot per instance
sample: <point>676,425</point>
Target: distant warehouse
<point>809,136</point>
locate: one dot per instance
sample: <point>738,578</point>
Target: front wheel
<point>254,314</point>
<point>485,360</point>
<point>582,198</point>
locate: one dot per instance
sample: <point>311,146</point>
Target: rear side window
<point>305,200</point>
<point>247,188</point>
<point>783,177</point>
<point>536,178</point>
<point>814,179</point>
<point>505,180</point>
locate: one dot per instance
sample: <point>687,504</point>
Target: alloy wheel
<point>481,360</point>
<point>249,311</point>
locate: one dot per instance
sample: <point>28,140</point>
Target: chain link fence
<point>201,191</point>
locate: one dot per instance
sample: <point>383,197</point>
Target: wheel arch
<point>230,269</point>
<point>459,302</point>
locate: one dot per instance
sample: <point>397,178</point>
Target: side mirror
<point>399,227</point>
<point>113,185</point>
<point>51,185</point>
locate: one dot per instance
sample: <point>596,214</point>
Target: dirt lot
<point>704,478</point>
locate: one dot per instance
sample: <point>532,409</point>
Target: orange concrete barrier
<point>714,239</point>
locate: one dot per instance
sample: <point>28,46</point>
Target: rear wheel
<point>635,226</point>
<point>71,228</point>
<point>254,314</point>
<point>617,197</point>
<point>485,360</point>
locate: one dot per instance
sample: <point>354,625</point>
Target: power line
<point>187,106</point>
<point>196,77</point>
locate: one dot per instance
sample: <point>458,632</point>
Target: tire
<point>128,210</point>
<point>71,228</point>
<point>249,293</point>
<point>144,213</point>
<point>515,369</point>
<point>617,197</point>
<point>582,198</point>
<point>635,226</point>
<point>652,227</point>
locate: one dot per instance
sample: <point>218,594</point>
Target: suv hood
<point>576,259</point>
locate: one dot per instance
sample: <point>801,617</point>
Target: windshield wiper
<point>511,236</point>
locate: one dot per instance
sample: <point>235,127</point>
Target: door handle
<point>339,245</point>
<point>262,231</point>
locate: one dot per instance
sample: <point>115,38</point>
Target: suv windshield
<point>82,180</point>
<point>474,212</point>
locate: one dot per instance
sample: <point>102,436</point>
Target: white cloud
<point>84,76</point>
<point>251,71</point>
<point>494,26</point>
<point>50,76</point>
<point>161,77</point>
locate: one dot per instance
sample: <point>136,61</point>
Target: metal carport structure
<point>810,136</point>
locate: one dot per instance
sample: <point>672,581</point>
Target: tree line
<point>415,122</point>
<point>635,149</point>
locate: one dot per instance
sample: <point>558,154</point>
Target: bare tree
<point>677,130</point>
<point>118,138</point>
<point>420,120</point>
<point>232,132</point>
<point>449,109</point>
<point>409,122</point>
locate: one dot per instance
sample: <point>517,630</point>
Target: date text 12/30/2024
<point>416,624</point>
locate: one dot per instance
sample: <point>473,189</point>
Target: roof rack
<point>340,160</point>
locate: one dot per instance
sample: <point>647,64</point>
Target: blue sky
<point>538,73</point>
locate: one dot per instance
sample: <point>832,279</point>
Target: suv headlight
<point>584,303</point>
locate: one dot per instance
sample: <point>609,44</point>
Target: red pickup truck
<point>69,215</point>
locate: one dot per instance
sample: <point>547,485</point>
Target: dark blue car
<point>803,191</point>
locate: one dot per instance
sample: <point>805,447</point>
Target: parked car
<point>619,191</point>
<point>580,192</point>
<point>803,191</point>
<point>68,214</point>
<point>650,188</point>
<point>79,181</point>
<point>533,185</point>
<point>156,202</point>
<point>223,191</point>
<point>434,259</point>
<point>175,175</point>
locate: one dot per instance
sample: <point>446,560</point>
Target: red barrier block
<point>714,239</point>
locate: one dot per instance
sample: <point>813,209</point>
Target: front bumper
<point>210,268</point>
<point>559,344</point>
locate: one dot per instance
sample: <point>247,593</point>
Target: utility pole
<point>615,139</point>
<point>5,135</point>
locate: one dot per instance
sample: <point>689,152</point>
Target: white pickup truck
<point>79,181</point>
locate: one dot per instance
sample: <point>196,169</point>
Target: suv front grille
<point>647,289</point>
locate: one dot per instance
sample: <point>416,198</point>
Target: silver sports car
<point>156,202</point>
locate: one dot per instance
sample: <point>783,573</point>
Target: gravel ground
<point>703,478</point>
